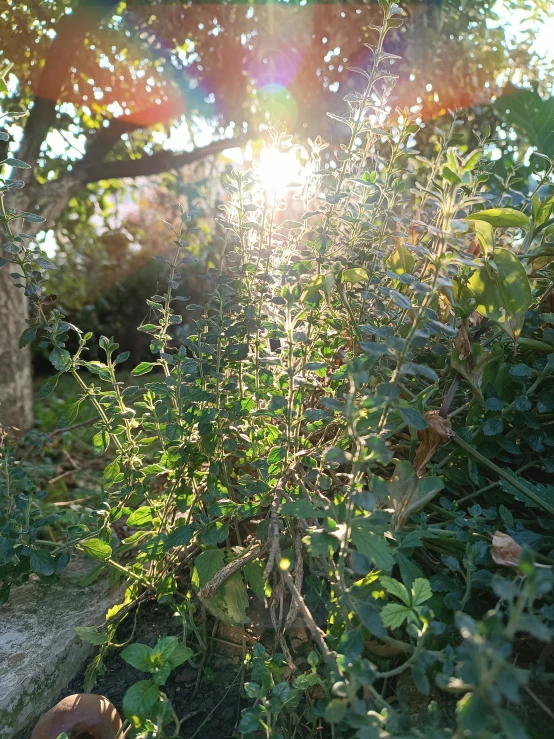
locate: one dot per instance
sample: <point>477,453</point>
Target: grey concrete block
<point>39,649</point>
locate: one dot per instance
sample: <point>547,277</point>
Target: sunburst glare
<point>279,169</point>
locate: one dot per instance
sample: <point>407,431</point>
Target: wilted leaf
<point>439,430</point>
<point>505,551</point>
<point>401,261</point>
<point>470,361</point>
<point>408,494</point>
<point>386,651</point>
<point>462,343</point>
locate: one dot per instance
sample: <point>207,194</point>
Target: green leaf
<point>69,415</point>
<point>493,426</point>
<point>411,368</point>
<point>206,565</point>
<point>408,494</point>
<point>393,615</point>
<point>471,367</point>
<point>215,533</point>
<point>401,300</point>
<point>62,560</point>
<point>48,387</point>
<point>166,586</point>
<point>544,492</point>
<point>138,656</point>
<point>17,163</point>
<point>485,234</point>
<point>235,599</point>
<point>92,575</point>
<point>179,537</point>
<point>464,300</point>
<point>140,700</point>
<point>179,655</point>
<point>141,516</point>
<point>45,263</point>
<point>502,218</point>
<point>230,600</point>
<point>421,591</point>
<point>143,368</point>
<point>60,359</point>
<point>351,645</point>
<point>27,336</point>
<point>250,720</point>
<point>370,617</point>
<point>165,647</point>
<point>110,473</point>
<point>502,290</point>
<point>413,418</point>
<point>371,545</point>
<point>451,176</point>
<point>123,357</point>
<point>97,548</point>
<point>100,442</point>
<point>354,274</point>
<point>91,635</point>
<point>42,562</point>
<point>396,588</point>
<point>401,261</point>
<point>254,574</point>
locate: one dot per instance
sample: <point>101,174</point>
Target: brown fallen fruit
<point>80,716</point>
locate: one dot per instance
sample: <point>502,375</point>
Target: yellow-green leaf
<point>97,548</point>
<point>502,218</point>
<point>354,274</point>
<point>401,261</point>
<point>502,290</point>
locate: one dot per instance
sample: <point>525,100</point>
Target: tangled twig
<point>210,587</point>
<point>317,633</point>
<point>274,548</point>
<point>298,576</point>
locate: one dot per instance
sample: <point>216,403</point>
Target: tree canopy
<point>135,88</point>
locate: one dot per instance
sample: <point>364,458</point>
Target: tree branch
<point>70,33</point>
<point>153,164</point>
<point>104,139</point>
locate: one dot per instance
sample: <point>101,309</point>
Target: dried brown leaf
<point>439,430</point>
<point>462,342</point>
<point>505,551</point>
<point>386,651</point>
<point>474,248</point>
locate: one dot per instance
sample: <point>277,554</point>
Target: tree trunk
<point>16,390</point>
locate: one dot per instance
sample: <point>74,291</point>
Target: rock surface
<point>39,649</point>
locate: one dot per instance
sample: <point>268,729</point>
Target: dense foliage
<point>356,430</point>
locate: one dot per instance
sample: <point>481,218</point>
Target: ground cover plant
<point>356,433</point>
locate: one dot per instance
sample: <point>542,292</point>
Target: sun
<point>278,169</point>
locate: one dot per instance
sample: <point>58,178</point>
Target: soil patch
<point>208,705</point>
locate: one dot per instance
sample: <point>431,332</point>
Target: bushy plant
<point>358,426</point>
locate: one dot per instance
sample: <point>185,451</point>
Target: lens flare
<point>278,169</point>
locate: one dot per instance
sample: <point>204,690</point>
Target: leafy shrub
<point>363,404</point>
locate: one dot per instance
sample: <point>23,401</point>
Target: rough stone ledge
<point>39,649</point>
